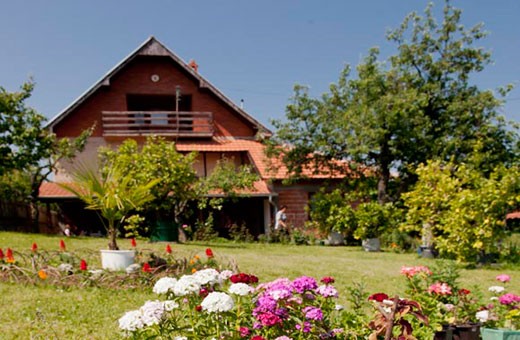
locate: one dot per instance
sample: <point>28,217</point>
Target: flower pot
<point>117,259</point>
<point>371,244</point>
<point>458,332</point>
<point>499,334</point>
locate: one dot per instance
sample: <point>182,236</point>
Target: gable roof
<point>152,47</point>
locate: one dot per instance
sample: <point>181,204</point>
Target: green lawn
<point>45,312</point>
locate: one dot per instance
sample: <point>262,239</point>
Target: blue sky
<point>251,50</point>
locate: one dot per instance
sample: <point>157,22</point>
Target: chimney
<point>194,65</point>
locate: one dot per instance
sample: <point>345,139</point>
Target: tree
<point>419,105</point>
<point>28,147</point>
<point>462,209</point>
<point>113,194</point>
<point>178,181</point>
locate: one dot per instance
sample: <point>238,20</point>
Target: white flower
<point>164,285</point>
<point>186,285</point>
<point>131,321</point>
<point>496,289</point>
<point>339,307</point>
<point>152,312</point>
<point>95,273</point>
<point>217,302</point>
<point>133,268</point>
<point>170,305</point>
<point>493,298</point>
<point>65,267</point>
<point>225,274</point>
<point>207,276</point>
<point>180,338</point>
<point>482,316</point>
<point>240,288</point>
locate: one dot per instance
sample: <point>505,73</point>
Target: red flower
<point>209,253</point>
<point>34,247</point>
<point>198,308</point>
<point>258,337</point>
<point>9,253</point>
<point>327,280</point>
<point>1,254</point>
<point>133,243</point>
<point>243,278</point>
<point>83,265</point>
<point>379,297</point>
<point>203,292</point>
<point>62,245</point>
<point>168,249</point>
<point>464,291</point>
<point>147,268</point>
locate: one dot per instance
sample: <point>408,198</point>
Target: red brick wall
<point>135,79</point>
<point>296,200</point>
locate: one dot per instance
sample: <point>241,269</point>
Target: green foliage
<point>464,209</point>
<point>240,233</point>
<point>418,105</point>
<point>157,160</point>
<point>15,186</point>
<point>134,226</point>
<point>204,230</point>
<point>113,194</point>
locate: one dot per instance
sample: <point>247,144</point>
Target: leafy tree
<point>419,105</point>
<point>158,159</point>
<point>178,182</point>
<point>462,209</point>
<point>27,147</point>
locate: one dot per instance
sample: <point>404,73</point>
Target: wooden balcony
<point>161,123</point>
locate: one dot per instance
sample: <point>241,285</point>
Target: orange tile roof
<point>268,168</point>
<point>513,215</point>
<point>53,190</point>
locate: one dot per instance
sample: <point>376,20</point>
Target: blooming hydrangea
<point>186,285</point>
<point>496,289</point>
<point>164,285</point>
<point>207,276</point>
<point>240,288</point>
<point>217,302</point>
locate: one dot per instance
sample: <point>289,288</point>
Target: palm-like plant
<point>112,194</point>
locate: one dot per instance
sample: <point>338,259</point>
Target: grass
<point>46,312</point>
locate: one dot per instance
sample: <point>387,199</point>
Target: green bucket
<point>165,231</point>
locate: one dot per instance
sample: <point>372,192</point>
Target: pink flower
<point>503,278</point>
<point>412,271</point>
<point>244,331</point>
<point>509,299</point>
<point>313,313</point>
<point>440,288</point>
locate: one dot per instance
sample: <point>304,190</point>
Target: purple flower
<point>313,313</point>
<point>306,327</point>
<point>304,283</point>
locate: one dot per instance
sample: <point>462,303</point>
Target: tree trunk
<point>384,173</point>
<point>112,233</point>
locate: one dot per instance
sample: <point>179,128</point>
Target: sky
<point>251,50</point>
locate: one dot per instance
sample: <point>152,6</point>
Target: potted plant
<point>372,220</point>
<point>501,318</point>
<point>113,195</point>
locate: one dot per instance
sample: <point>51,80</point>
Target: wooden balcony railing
<point>162,123</point>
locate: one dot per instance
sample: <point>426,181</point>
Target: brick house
<point>153,92</point>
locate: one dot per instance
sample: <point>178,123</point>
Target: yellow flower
<point>42,274</point>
